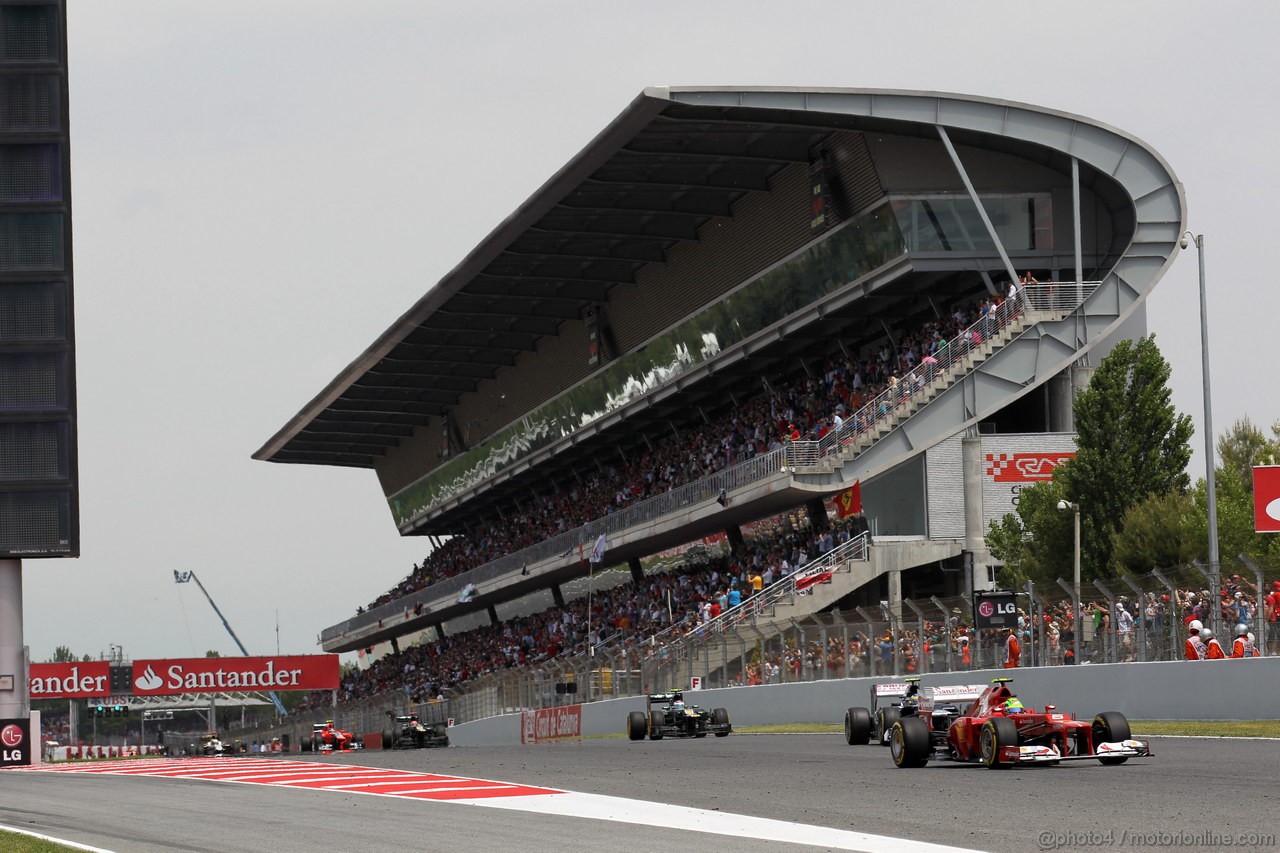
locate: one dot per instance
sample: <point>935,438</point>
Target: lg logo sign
<point>11,738</point>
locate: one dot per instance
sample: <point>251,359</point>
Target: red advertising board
<point>1024,467</point>
<point>92,679</point>
<point>216,675</point>
<point>551,724</point>
<point>1266,498</point>
<point>77,680</point>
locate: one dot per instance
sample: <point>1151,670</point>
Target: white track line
<point>50,838</point>
<point>645,813</point>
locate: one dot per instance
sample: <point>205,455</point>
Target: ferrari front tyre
<point>720,717</point>
<point>857,726</point>
<point>656,719</point>
<point>910,742</point>
<point>997,733</point>
<point>637,722</point>
<point>885,718</point>
<point>1110,727</point>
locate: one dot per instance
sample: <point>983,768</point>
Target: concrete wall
<point>1171,690</point>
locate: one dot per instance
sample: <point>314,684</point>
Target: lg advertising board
<point>996,609</point>
<point>15,743</point>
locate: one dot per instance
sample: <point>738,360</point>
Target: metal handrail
<point>916,386</point>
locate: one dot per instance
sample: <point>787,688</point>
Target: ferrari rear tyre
<point>656,720</point>
<point>997,732</point>
<point>910,742</point>
<point>1109,727</point>
<point>637,722</point>
<point>885,718</point>
<point>857,726</point>
<point>720,717</point>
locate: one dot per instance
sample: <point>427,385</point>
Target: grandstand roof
<point>674,159</point>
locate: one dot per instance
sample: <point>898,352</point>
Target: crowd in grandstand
<point>804,407</point>
<point>627,614</point>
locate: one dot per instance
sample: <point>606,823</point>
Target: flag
<point>1266,498</point>
<point>467,593</point>
<point>849,502</point>
<point>181,577</point>
<point>597,553</point>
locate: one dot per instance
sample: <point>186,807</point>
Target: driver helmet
<point>1013,705</point>
<point>677,705</point>
<point>1195,625</point>
<point>1242,630</point>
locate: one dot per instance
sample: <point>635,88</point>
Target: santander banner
<point>79,680</point>
<point>215,675</point>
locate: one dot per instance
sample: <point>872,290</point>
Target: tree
<point>213,653</point>
<point>1160,532</point>
<point>1132,443</point>
<point>1244,446</point>
<point>62,654</point>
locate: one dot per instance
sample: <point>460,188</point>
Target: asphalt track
<point>1196,791</point>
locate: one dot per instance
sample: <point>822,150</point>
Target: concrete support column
<point>736,542</point>
<point>895,593</point>
<point>395,646</point>
<point>439,626</point>
<point>1061,397</point>
<point>975,539</point>
<point>15,704</point>
<point>818,520</point>
<point>1081,374</point>
<point>493,615</point>
<point>557,594</point>
<point>637,575</point>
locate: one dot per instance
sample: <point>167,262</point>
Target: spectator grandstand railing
<point>951,361</point>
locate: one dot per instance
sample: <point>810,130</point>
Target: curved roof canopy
<point>673,160</point>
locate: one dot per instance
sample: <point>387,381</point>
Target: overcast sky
<point>262,187</point>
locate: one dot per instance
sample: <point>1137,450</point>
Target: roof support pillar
<point>973,194</point>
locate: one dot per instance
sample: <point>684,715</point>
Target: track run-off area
<point>744,792</point>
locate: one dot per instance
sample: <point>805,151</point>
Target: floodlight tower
<point>184,577</point>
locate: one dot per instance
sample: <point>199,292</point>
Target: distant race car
<point>328,738</point>
<point>676,719</point>
<point>407,731</point>
<point>994,729</point>
<point>211,744</point>
<point>862,726</point>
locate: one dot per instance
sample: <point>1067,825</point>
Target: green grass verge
<point>15,842</point>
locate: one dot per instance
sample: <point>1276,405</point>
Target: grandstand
<point>731,253</point>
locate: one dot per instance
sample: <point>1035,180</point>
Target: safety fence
<point>949,362</point>
<point>1132,618</point>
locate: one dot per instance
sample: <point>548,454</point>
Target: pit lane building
<point>709,243</point>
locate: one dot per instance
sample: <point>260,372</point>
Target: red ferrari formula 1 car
<point>326,737</point>
<point>996,730</point>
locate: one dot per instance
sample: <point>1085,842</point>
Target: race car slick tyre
<point>885,718</point>
<point>388,739</point>
<point>1108,727</point>
<point>655,725</point>
<point>909,742</point>
<point>720,717</point>
<point>996,732</point>
<point>637,722</point>
<point>857,726</point>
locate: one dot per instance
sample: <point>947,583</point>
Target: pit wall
<point>1166,690</point>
